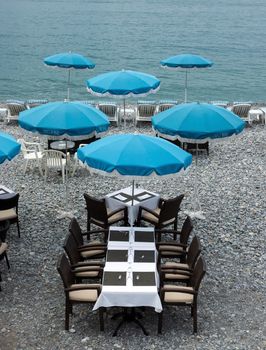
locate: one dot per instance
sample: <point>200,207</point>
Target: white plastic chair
<point>31,151</point>
<point>242,110</point>
<point>55,160</point>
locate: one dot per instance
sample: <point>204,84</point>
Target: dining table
<point>130,276</point>
<point>132,200</point>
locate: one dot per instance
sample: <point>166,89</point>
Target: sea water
<point>136,35</point>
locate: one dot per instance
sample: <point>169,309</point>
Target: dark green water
<point>134,35</point>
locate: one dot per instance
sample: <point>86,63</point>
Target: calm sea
<point>134,34</point>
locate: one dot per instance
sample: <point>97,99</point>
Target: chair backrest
<point>64,269</point>
<point>15,108</point>
<point>198,273</point>
<point>164,106</point>
<point>170,208</point>
<point>146,110</point>
<point>71,248</point>
<point>193,252</point>
<point>186,229</point>
<point>9,201</point>
<point>109,109</point>
<point>75,230</point>
<point>96,208</point>
<point>53,158</point>
<point>241,109</point>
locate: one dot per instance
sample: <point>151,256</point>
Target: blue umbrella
<point>124,83</point>
<point>186,61</point>
<point>9,147</point>
<point>69,60</point>
<point>197,123</point>
<point>134,156</point>
<point>67,120</point>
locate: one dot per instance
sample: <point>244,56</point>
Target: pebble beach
<point>231,304</point>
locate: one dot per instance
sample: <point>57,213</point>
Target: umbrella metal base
<point>132,316</point>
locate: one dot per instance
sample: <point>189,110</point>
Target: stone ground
<point>231,311</point>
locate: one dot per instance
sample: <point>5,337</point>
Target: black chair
<point>98,213</point>
<point>181,272</point>
<point>9,209</point>
<point>77,293</point>
<point>183,295</point>
<point>75,230</point>
<point>4,226</point>
<point>166,214</point>
<point>171,249</point>
<point>83,267</point>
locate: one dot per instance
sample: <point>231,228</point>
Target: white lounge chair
<point>32,152</point>
<point>242,110</point>
<point>13,110</point>
<point>145,111</point>
<point>111,110</point>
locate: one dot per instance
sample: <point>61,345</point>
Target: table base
<point>133,316</point>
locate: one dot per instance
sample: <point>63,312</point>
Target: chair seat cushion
<point>178,297</point>
<point>151,218</point>
<point>166,250</point>
<point>89,295</point>
<point>90,253</point>
<point>174,276</point>
<point>8,214</point>
<point>116,217</point>
<point>82,272</point>
<point>175,265</point>
<point>3,248</point>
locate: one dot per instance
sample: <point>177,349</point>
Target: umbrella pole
<point>196,203</point>
<point>124,101</point>
<point>133,185</point>
<point>186,87</point>
<point>68,85</point>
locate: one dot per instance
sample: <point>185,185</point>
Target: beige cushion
<point>3,248</point>
<point>8,214</point>
<point>172,250</point>
<point>116,217</point>
<point>173,276</point>
<point>89,295</point>
<point>89,253</point>
<point>177,297</point>
<point>175,265</point>
<point>81,272</point>
<point>148,216</point>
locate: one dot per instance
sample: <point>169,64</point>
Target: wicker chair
<point>3,254</point>
<point>98,214</point>
<point>77,293</point>
<point>166,214</point>
<point>184,295</point>
<point>9,209</point>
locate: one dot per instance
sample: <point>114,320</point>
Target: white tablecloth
<point>115,203</point>
<point>4,190</point>
<point>129,295</point>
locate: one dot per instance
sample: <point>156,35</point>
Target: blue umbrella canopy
<point>134,156</point>
<point>69,60</point>
<point>197,123</point>
<point>123,83</point>
<point>71,120</point>
<point>186,61</point>
<point>9,147</point>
